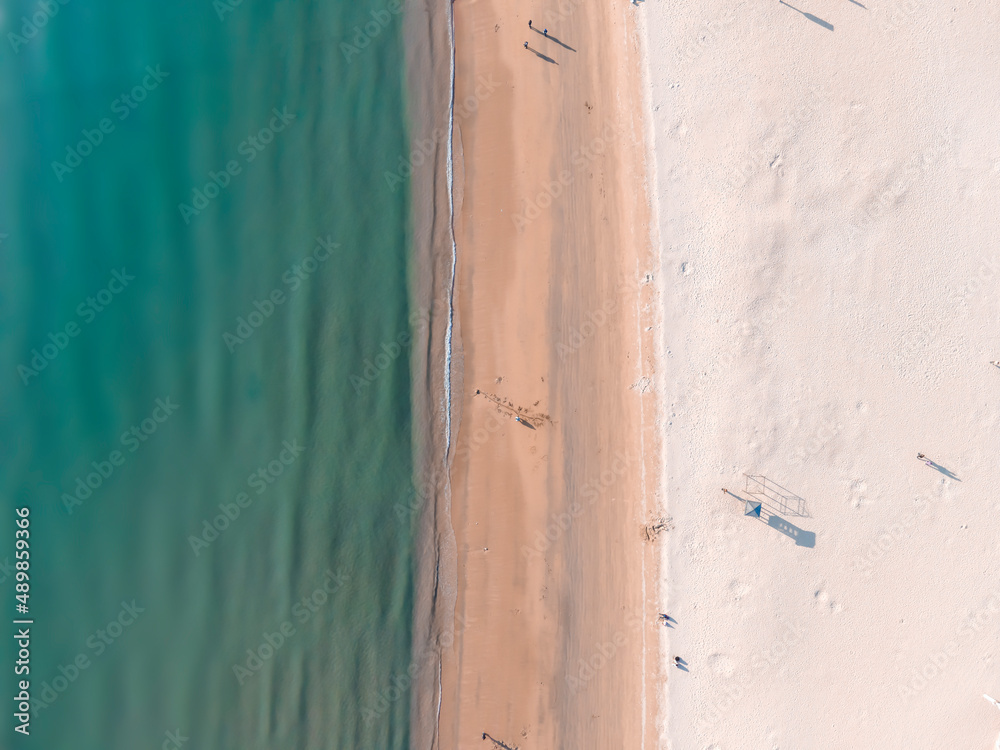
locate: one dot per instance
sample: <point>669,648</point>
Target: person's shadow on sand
<point>539,54</point>
<point>496,742</point>
<point>946,472</point>
<point>557,41</point>
<point>811,17</point>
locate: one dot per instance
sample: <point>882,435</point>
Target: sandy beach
<point>552,229</point>
<point>827,187</point>
<point>707,246</point>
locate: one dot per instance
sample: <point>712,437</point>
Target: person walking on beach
<point>921,456</point>
<point>545,32</point>
<point>725,490</point>
<point>526,47</point>
<point>664,618</point>
<point>529,23</point>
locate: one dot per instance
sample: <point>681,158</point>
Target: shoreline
<point>428,46</point>
<point>537,691</point>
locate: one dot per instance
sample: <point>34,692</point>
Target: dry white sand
<point>829,214</point>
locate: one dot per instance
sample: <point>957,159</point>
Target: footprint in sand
<point>825,603</point>
<point>738,590</point>
<point>857,493</point>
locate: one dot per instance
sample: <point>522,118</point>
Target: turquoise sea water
<point>200,486</point>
